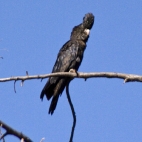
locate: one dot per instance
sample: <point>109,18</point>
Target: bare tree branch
<point>1,133</point>
<point>125,77</point>
<point>11,131</point>
<point>73,112</point>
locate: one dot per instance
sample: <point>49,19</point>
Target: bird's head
<point>82,31</point>
<point>88,21</point>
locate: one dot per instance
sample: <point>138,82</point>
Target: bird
<point>69,58</point>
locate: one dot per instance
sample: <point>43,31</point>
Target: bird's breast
<point>82,46</point>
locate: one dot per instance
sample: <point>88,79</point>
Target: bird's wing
<point>66,56</point>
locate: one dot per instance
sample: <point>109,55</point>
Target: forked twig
<point>11,131</point>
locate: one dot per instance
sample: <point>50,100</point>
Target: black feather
<point>69,57</point>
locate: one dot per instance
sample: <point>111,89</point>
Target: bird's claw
<point>73,71</point>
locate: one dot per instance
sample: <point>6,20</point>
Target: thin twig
<point>42,139</point>
<point>27,73</point>
<point>14,86</point>
<point>73,112</point>
<point>1,133</point>
<point>22,83</point>
<point>11,131</point>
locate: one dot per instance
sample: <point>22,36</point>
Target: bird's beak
<point>87,31</point>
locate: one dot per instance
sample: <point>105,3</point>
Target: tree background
<point>107,110</point>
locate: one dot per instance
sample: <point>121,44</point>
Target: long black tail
<point>53,90</point>
<point>48,90</point>
<point>53,104</point>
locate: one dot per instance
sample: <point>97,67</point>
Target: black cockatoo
<point>69,57</point>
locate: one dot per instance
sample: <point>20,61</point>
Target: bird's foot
<point>73,71</point>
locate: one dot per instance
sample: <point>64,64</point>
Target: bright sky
<point>107,110</point>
